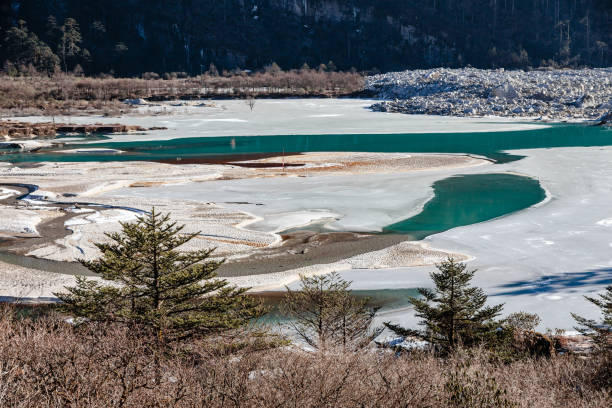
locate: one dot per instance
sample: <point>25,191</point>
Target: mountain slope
<point>135,36</point>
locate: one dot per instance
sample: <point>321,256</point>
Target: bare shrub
<point>46,362</point>
<point>62,90</point>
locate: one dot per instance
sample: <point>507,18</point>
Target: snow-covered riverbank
<point>224,222</point>
<point>550,94</point>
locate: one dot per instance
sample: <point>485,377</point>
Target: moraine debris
<point>563,94</point>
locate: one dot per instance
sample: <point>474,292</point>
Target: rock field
<point>542,94</point>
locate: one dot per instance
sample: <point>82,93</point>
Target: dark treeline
<point>130,37</point>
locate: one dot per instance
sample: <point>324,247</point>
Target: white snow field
<point>284,117</point>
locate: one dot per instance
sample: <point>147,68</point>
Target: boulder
<point>138,101</point>
<point>585,101</point>
<point>506,91</point>
<point>605,119</point>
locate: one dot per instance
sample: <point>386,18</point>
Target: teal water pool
<point>458,201</point>
<point>490,144</point>
<point>469,199</point>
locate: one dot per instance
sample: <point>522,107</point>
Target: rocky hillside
<point>136,36</point>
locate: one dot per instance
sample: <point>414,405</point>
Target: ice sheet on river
<point>287,117</point>
<point>542,259</point>
<point>368,202</point>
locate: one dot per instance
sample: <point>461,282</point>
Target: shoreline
<point>538,94</point>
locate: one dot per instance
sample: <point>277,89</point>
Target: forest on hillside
<point>131,37</point>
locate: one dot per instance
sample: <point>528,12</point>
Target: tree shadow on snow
<point>554,283</point>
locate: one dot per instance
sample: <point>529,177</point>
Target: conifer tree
<point>212,70</point>
<point>454,313</point>
<point>600,332</point>
<point>325,313</point>
<point>70,41</point>
<point>154,285</point>
<point>22,47</point>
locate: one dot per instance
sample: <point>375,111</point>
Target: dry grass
<point>72,94</point>
<point>46,362</point>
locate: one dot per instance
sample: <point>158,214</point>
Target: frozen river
<point>536,257</point>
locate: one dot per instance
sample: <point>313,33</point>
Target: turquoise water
<point>490,144</point>
<point>384,299</point>
<point>458,200</point>
<point>464,200</point>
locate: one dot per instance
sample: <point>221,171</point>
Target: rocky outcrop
<point>546,94</point>
<point>11,130</point>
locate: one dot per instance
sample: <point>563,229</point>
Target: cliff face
<point>189,35</point>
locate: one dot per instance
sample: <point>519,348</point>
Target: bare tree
<point>250,101</point>
<point>326,314</point>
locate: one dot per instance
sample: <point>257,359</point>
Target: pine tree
<point>601,332</point>
<point>212,70</point>
<point>53,32</point>
<point>454,313</point>
<point>325,313</point>
<point>154,285</point>
<point>70,41</point>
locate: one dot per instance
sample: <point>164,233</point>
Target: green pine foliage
<point>453,313</point>
<point>149,282</point>
<point>325,313</point>
<point>600,332</point>
<point>23,48</point>
<point>187,36</point>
